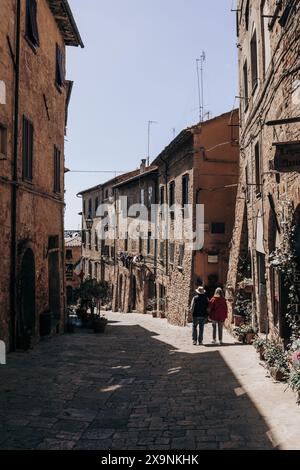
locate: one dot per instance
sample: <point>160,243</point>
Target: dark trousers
<point>198,322</point>
<point>220,330</point>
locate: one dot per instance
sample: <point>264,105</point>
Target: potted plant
<point>294,381</point>
<point>260,345</point>
<point>152,307</point>
<point>242,309</point>
<point>162,308</point>
<point>240,333</point>
<point>99,324</point>
<point>277,361</point>
<point>250,333</point>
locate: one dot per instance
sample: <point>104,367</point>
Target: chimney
<point>143,165</point>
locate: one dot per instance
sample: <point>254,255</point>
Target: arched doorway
<point>26,318</point>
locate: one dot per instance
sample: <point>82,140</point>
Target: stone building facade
<point>136,254</point>
<point>157,269</point>
<point>99,253</point>
<point>34,97</point>
<point>200,167</point>
<point>268,193</point>
<point>73,264</point>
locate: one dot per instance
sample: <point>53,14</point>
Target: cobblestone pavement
<point>143,385</point>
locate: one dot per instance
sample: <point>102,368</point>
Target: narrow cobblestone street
<point>143,385</point>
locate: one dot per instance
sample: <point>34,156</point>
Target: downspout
<point>13,276</point>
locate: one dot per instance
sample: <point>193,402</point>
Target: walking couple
<point>203,309</point>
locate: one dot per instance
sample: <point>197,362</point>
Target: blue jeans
<point>198,321</point>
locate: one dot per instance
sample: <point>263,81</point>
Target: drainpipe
<point>13,274</point>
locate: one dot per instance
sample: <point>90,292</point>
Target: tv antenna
<point>201,85</point>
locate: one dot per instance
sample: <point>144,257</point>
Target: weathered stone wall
<point>276,96</point>
<point>40,211</point>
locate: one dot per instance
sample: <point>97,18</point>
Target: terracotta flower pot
<point>249,338</point>
<point>238,320</point>
<point>241,338</point>
<point>277,374</point>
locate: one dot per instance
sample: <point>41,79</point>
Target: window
<point>257,169</point>
<point>90,209</point>
<point>172,252</point>
<point>172,193</point>
<point>59,73</point>
<point>245,81</point>
<point>53,242</point>
<point>247,14</point>
<point>254,65</point>
<point>69,254</point>
<point>57,171</point>
<point>162,250</point>
<point>84,208</point>
<point>149,243</point>
<point>96,204</point>
<point>106,194</point>
<point>185,190</point>
<point>96,241</point>
<point>32,33</point>
<point>162,195</point>
<point>247,184</point>
<point>27,149</point>
<point>265,13</point>
<point>126,242</point>
<point>286,13</point>
<point>218,228</point>
<point>181,256</point>
<point>3,141</point>
<point>142,197</point>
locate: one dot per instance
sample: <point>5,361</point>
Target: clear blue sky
<point>138,65</point>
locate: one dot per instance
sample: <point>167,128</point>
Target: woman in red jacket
<point>218,313</point>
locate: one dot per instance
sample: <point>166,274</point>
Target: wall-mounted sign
<point>287,156</point>
<point>213,259</point>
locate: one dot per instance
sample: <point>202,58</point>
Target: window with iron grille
<point>172,193</point>
<point>218,228</point>
<point>181,256</point>
<point>57,170</point>
<point>32,33</point>
<point>27,149</point>
<point>59,72</point>
<point>90,209</point>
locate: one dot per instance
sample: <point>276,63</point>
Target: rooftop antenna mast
<point>201,85</point>
<point>149,134</point>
